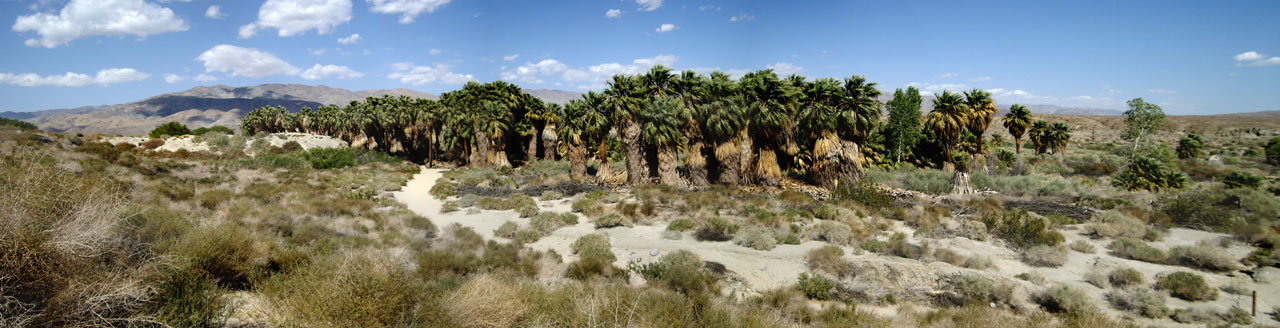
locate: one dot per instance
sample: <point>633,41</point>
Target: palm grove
<point>683,129</point>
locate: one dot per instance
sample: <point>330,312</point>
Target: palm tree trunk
<point>531,152</point>
<point>635,153</point>
<point>746,148</point>
<point>1017,145</point>
<point>548,146</point>
<point>577,153</point>
<point>604,171</point>
<point>767,171</point>
<point>668,160</point>
<point>480,157</point>
<point>696,163</point>
<point>727,154</point>
<point>835,160</point>
<point>498,154</point>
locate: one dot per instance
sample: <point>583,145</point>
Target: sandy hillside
<point>755,270</point>
<point>190,143</point>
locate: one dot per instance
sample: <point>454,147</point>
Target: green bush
<point>1149,174</point>
<point>610,221</point>
<point>681,224</point>
<point>506,230</point>
<point>1273,151</point>
<point>970,289</point>
<point>862,192</point>
<point>1064,299</point>
<point>1141,300</point>
<point>1083,247</point>
<point>1204,255</point>
<point>444,189</point>
<point>212,128</point>
<point>815,286</point>
<point>756,237</point>
<point>1134,249</point>
<point>169,129</point>
<point>1242,180</point>
<point>212,198</point>
<point>716,229</point>
<point>831,232</point>
<point>681,271</point>
<point>1123,277</point>
<point>1190,146</point>
<point>17,123</point>
<point>593,245</point>
<point>829,259</point>
<point>1021,229</point>
<point>1187,286</point>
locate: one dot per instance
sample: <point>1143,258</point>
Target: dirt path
<point>758,270</point>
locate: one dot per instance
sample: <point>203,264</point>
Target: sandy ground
<point>308,141</point>
<point>762,270</point>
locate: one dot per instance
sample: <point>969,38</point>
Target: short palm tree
<point>982,109</point>
<point>570,134</point>
<point>662,129</point>
<point>948,120</point>
<point>1017,121</point>
<point>723,127</point>
<point>1060,137</point>
<point>1039,135</point>
<point>767,116</point>
<point>625,93</point>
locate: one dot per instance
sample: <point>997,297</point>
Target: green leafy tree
<point>1146,173</point>
<point>1191,146</point>
<point>17,123</point>
<point>1242,180</point>
<point>1017,121</point>
<point>1141,120</point>
<point>169,129</point>
<point>903,128</point>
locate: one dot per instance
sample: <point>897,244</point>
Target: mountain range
<point>226,105</point>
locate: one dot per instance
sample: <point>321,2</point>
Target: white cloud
<point>204,78</point>
<point>666,28</point>
<point>741,18</point>
<point>598,74</point>
<point>510,57</point>
<point>1249,56</point>
<point>529,72</point>
<point>104,78</point>
<point>1253,58</point>
<point>318,52</point>
<point>350,39</point>
<point>1163,91</point>
<point>173,78</point>
<point>84,18</point>
<point>705,7</point>
<point>293,17</point>
<point>785,68</point>
<point>980,79</point>
<point>613,13</point>
<point>649,5</point>
<point>214,12</point>
<point>434,51</point>
<point>342,72</point>
<point>949,75</point>
<point>248,62</point>
<point>926,88</point>
<point>419,75</point>
<point>409,9</point>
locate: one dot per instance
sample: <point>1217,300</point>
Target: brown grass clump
<point>485,301</point>
<point>1204,255</point>
<point>829,259</point>
<point>360,288</point>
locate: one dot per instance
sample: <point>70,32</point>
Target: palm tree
<point>538,115</point>
<point>767,117</point>
<point>1039,135</point>
<point>625,93</point>
<point>691,88</point>
<point>662,129</point>
<point>570,133</point>
<point>594,125</point>
<point>553,119</point>
<point>982,110</point>
<point>1017,121</point>
<point>1060,137</point>
<point>723,125</point>
<point>822,117</point>
<point>948,120</point>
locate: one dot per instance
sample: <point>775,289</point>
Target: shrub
<point>228,253</point>
<point>1237,316</point>
<point>756,237</point>
<point>506,230</point>
<point>815,286</point>
<point>899,246</point>
<point>1045,256</point>
<point>486,301</point>
<point>609,221</point>
<point>587,206</point>
<point>829,259</point>
<point>716,229</point>
<point>291,146</point>
<point>862,192</point>
<point>875,245</point>
<point>187,298</point>
<point>681,271</point>
<point>1124,277</point>
<point>169,129</point>
<point>1145,173</point>
<point>593,245</point>
<point>444,188</point>
<point>979,263</point>
<point>831,232</point>
<point>1113,224</point>
<point>360,288</point>
<point>682,224</point>
<point>550,195</point>
<point>17,123</point>
<point>212,198</point>
<point>971,289</point>
<point>1273,151</point>
<point>151,144</point>
<point>1242,180</point>
<point>1141,300</point>
<point>1204,255</point>
<point>1083,247</point>
<point>1022,230</point>
<point>1134,249</point>
<point>1064,299</point>
<point>1187,286</point>
<point>1096,278</point>
<point>949,256</point>
<point>526,210</point>
<point>212,128</point>
<point>1190,146</point>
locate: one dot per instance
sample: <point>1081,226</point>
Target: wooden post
<point>1255,303</point>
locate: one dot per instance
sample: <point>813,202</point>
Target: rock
<point>653,252</point>
<point>1215,159</point>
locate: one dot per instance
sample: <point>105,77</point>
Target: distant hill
<point>926,105</point>
<point>214,105</point>
<point>1267,113</point>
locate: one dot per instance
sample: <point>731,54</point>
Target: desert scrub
<point>1123,277</point>
<point>350,289</point>
<point>1113,224</point>
<point>588,206</point>
<point>681,271</point>
<point>681,224</point>
<point>1083,247</point>
<point>609,221</point>
<point>547,222</point>
<point>716,229</point>
<point>815,286</point>
<point>212,198</point>
<point>898,245</point>
<point>1204,255</point>
<point>1134,249</point>
<point>829,259</point>
<point>1022,230</point>
<point>1187,286</point>
<point>923,180</point>
<point>486,301</point>
<point>506,230</point>
<point>444,188</point>
<point>756,237</point>
<point>969,289</point>
<point>550,195</point>
<point>593,245</point>
<point>831,232</point>
<point>526,210</point>
<point>1045,256</point>
<point>1064,299</point>
<point>1141,300</point>
<point>1096,278</point>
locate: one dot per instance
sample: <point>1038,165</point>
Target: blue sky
<point>1191,57</point>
